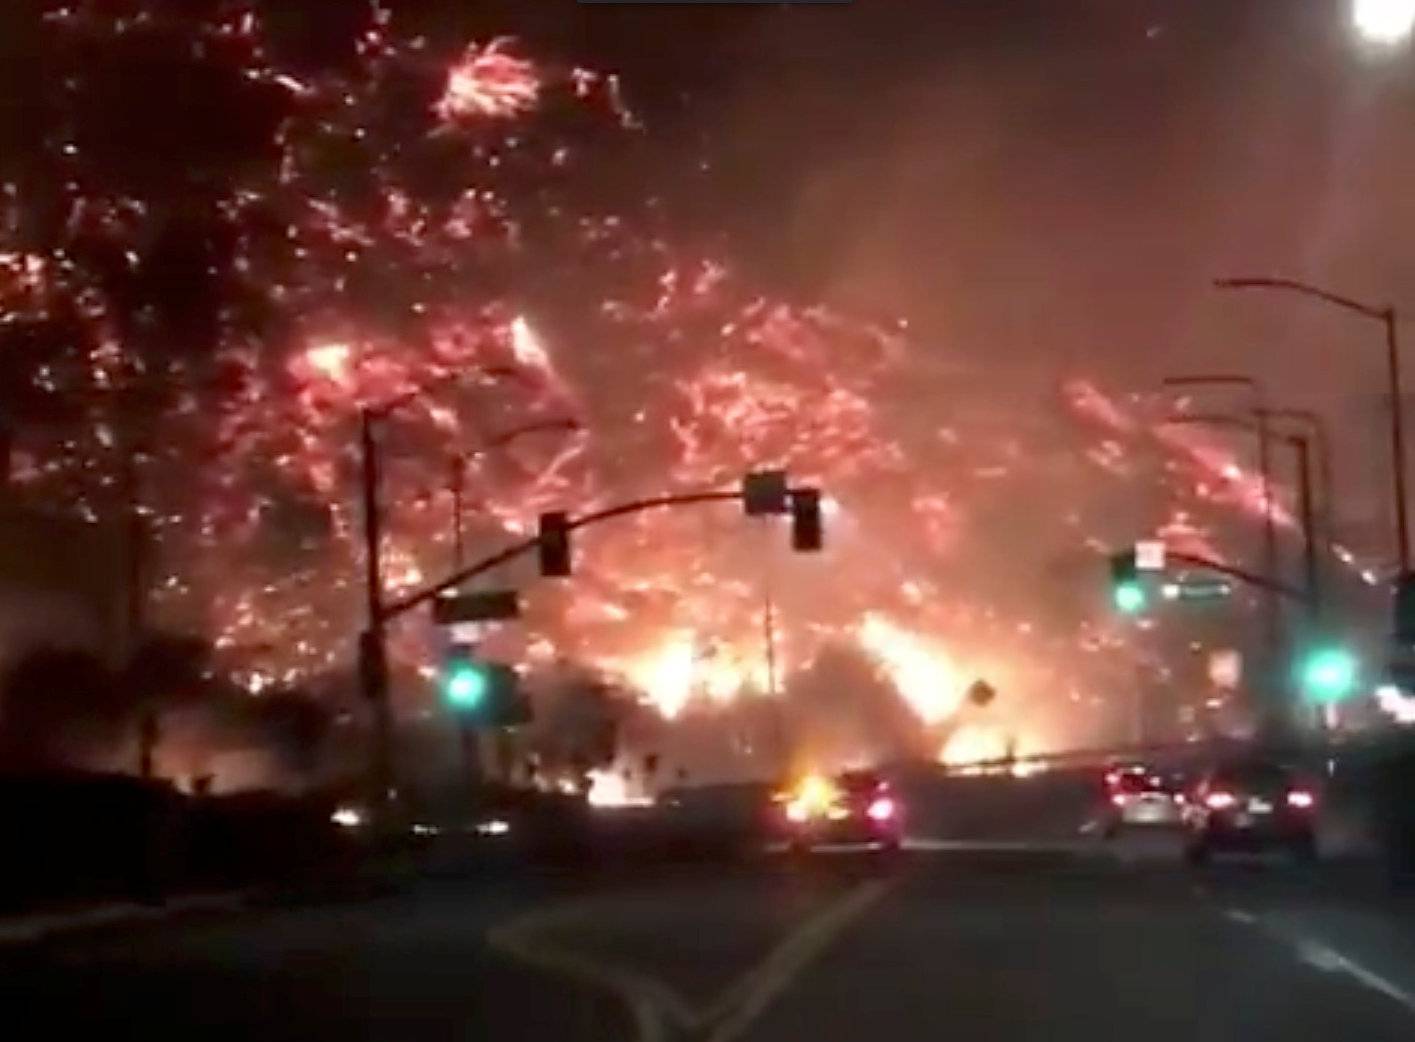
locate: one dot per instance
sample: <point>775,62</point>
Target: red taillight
<point>1219,800</point>
<point>1301,799</point>
<point>1118,799</point>
<point>880,809</point>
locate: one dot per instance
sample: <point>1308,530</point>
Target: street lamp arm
<point>1307,289</point>
<point>568,424</point>
<point>1251,578</point>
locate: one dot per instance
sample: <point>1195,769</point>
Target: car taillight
<point>880,809</point>
<point>1118,799</point>
<point>1219,800</point>
<point>1301,799</point>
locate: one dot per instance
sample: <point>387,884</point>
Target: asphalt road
<point>1072,940</point>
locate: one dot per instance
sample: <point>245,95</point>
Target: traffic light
<point>483,694</point>
<point>554,544</point>
<point>806,531</point>
<point>1328,673</point>
<point>466,681</point>
<point>1127,590</point>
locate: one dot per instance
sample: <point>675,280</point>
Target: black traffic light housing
<point>1127,589</point>
<point>554,544</point>
<point>807,534</point>
<point>1123,569</point>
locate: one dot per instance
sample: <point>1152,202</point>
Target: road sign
<point>1149,555</point>
<point>481,606</point>
<point>1196,590</point>
<point>981,693</point>
<point>764,492</point>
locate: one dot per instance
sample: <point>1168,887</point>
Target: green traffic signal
<point>465,685</point>
<point>1329,674</point>
<point>1127,588</point>
<point>1129,598</point>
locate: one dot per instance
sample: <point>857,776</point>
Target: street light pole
<point>457,473</point>
<point>1386,315</point>
<point>1306,499</point>
<point>1270,555</point>
<point>455,483</point>
<point>1397,439</point>
<point>1309,544</point>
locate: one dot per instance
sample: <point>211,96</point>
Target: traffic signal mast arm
<point>1239,574</point>
<point>408,603</point>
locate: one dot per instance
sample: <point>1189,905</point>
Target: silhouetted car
<point>1251,806</point>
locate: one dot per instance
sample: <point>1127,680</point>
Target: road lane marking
<point>649,1001</point>
<point>746,1000</point>
<point>1329,960</point>
<point>653,1004</point>
<point>1324,957</point>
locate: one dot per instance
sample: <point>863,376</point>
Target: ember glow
<point>403,228</point>
<point>489,83</point>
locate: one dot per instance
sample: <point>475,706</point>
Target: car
<point>855,807</point>
<point>1137,795</point>
<point>1251,806</point>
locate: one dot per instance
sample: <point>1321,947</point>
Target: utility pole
<point>135,539</point>
<point>373,648</point>
<point>769,625</point>
<point>1397,438</point>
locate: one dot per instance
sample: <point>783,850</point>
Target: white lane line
<point>1324,957</point>
<point>1329,960</point>
<point>740,1006</point>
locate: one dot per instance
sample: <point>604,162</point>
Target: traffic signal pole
<point>461,575</point>
<point>373,678</point>
<point>806,535</point>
